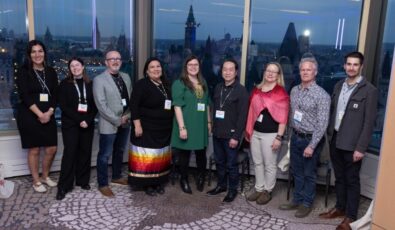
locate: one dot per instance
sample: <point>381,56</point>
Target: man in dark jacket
<point>353,113</point>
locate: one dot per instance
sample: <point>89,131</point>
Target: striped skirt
<point>148,166</point>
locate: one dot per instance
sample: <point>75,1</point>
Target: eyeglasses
<point>113,59</point>
<point>192,65</point>
<point>273,72</point>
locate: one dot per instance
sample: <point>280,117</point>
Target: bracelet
<point>183,128</point>
<point>51,109</point>
<point>209,122</point>
<point>279,137</point>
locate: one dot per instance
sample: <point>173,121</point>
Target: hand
<point>124,120</point>
<point>276,145</point>
<point>44,117</point>
<point>357,156</point>
<point>233,143</point>
<point>308,152</point>
<point>183,134</point>
<point>138,131</point>
<point>83,124</point>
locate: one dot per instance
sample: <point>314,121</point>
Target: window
<point>285,31</point>
<point>13,40</point>
<point>210,30</point>
<point>386,59</point>
<point>86,29</point>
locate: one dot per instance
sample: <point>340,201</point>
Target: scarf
<point>276,101</point>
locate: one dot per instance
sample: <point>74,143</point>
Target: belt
<point>302,135</point>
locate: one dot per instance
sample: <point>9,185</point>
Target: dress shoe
<point>253,196</point>
<point>216,190</point>
<point>150,191</point>
<point>185,186</point>
<point>331,214</point>
<point>120,181</point>
<point>345,224</point>
<point>160,189</point>
<point>200,182</point>
<point>86,187</point>
<point>264,198</point>
<point>106,191</point>
<point>48,181</point>
<point>302,211</point>
<point>61,194</point>
<point>230,196</point>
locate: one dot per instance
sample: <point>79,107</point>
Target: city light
<point>306,33</point>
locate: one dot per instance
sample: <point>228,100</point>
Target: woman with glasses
<point>152,116</point>
<point>192,121</point>
<point>78,114</point>
<point>267,118</point>
<point>37,86</point>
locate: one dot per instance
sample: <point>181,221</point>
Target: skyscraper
<point>289,46</point>
<point>190,31</point>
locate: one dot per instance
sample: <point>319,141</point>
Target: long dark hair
<point>163,77</point>
<point>70,77</point>
<point>28,59</point>
<point>184,74</point>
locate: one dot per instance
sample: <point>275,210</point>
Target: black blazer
<point>68,103</point>
<point>358,120</point>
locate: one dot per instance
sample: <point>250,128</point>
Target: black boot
<point>185,185</point>
<point>61,194</point>
<point>200,182</point>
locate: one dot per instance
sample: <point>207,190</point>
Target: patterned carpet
<point>81,209</point>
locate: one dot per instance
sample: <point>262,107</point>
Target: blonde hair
<point>280,79</point>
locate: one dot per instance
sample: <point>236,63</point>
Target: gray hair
<point>311,60</point>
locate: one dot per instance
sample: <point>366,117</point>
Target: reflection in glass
<point>13,40</point>
<point>210,30</point>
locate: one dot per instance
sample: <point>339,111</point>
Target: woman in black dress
<point>37,87</point>
<point>78,114</point>
<point>152,115</point>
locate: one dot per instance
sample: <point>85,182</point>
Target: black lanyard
<point>41,81</point>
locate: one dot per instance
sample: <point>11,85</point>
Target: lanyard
<point>41,81</point>
<point>119,82</point>
<point>222,103</point>
<point>160,87</point>
<point>79,93</point>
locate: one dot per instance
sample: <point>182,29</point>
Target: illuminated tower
<point>290,47</point>
<point>190,31</point>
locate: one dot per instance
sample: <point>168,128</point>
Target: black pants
<point>348,187</point>
<point>76,160</point>
<point>183,159</point>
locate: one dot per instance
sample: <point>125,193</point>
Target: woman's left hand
<point>276,145</point>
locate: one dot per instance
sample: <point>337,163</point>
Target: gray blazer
<point>109,102</point>
<point>358,121</point>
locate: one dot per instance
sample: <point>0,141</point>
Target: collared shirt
<point>311,105</point>
<point>233,101</point>
<point>123,90</point>
<point>344,97</point>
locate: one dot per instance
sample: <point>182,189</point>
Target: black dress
<point>32,132</point>
<point>150,154</point>
<point>77,141</point>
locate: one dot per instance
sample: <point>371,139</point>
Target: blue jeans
<point>226,161</point>
<point>304,170</point>
<point>111,144</point>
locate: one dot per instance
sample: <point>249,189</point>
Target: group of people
<point>162,118</point>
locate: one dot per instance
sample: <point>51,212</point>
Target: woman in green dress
<point>192,122</point>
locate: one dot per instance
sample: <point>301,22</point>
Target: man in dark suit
<point>353,112</point>
<point>111,91</point>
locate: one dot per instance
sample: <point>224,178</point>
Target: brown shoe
<point>333,213</point>
<point>120,181</point>
<point>345,224</point>
<point>264,198</point>
<point>253,196</point>
<point>106,191</point>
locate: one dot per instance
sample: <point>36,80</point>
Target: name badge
<point>340,116</point>
<point>43,97</point>
<point>167,104</point>
<point>123,102</point>
<point>82,108</point>
<point>260,118</point>
<point>298,116</point>
<point>201,107</point>
<point>219,114</point>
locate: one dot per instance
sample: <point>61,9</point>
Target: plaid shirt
<point>314,104</point>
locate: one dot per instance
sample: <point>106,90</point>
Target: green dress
<point>195,121</point>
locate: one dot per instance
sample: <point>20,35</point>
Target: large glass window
<point>210,30</point>
<point>384,73</point>
<point>86,29</point>
<point>13,39</point>
<point>287,30</point>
